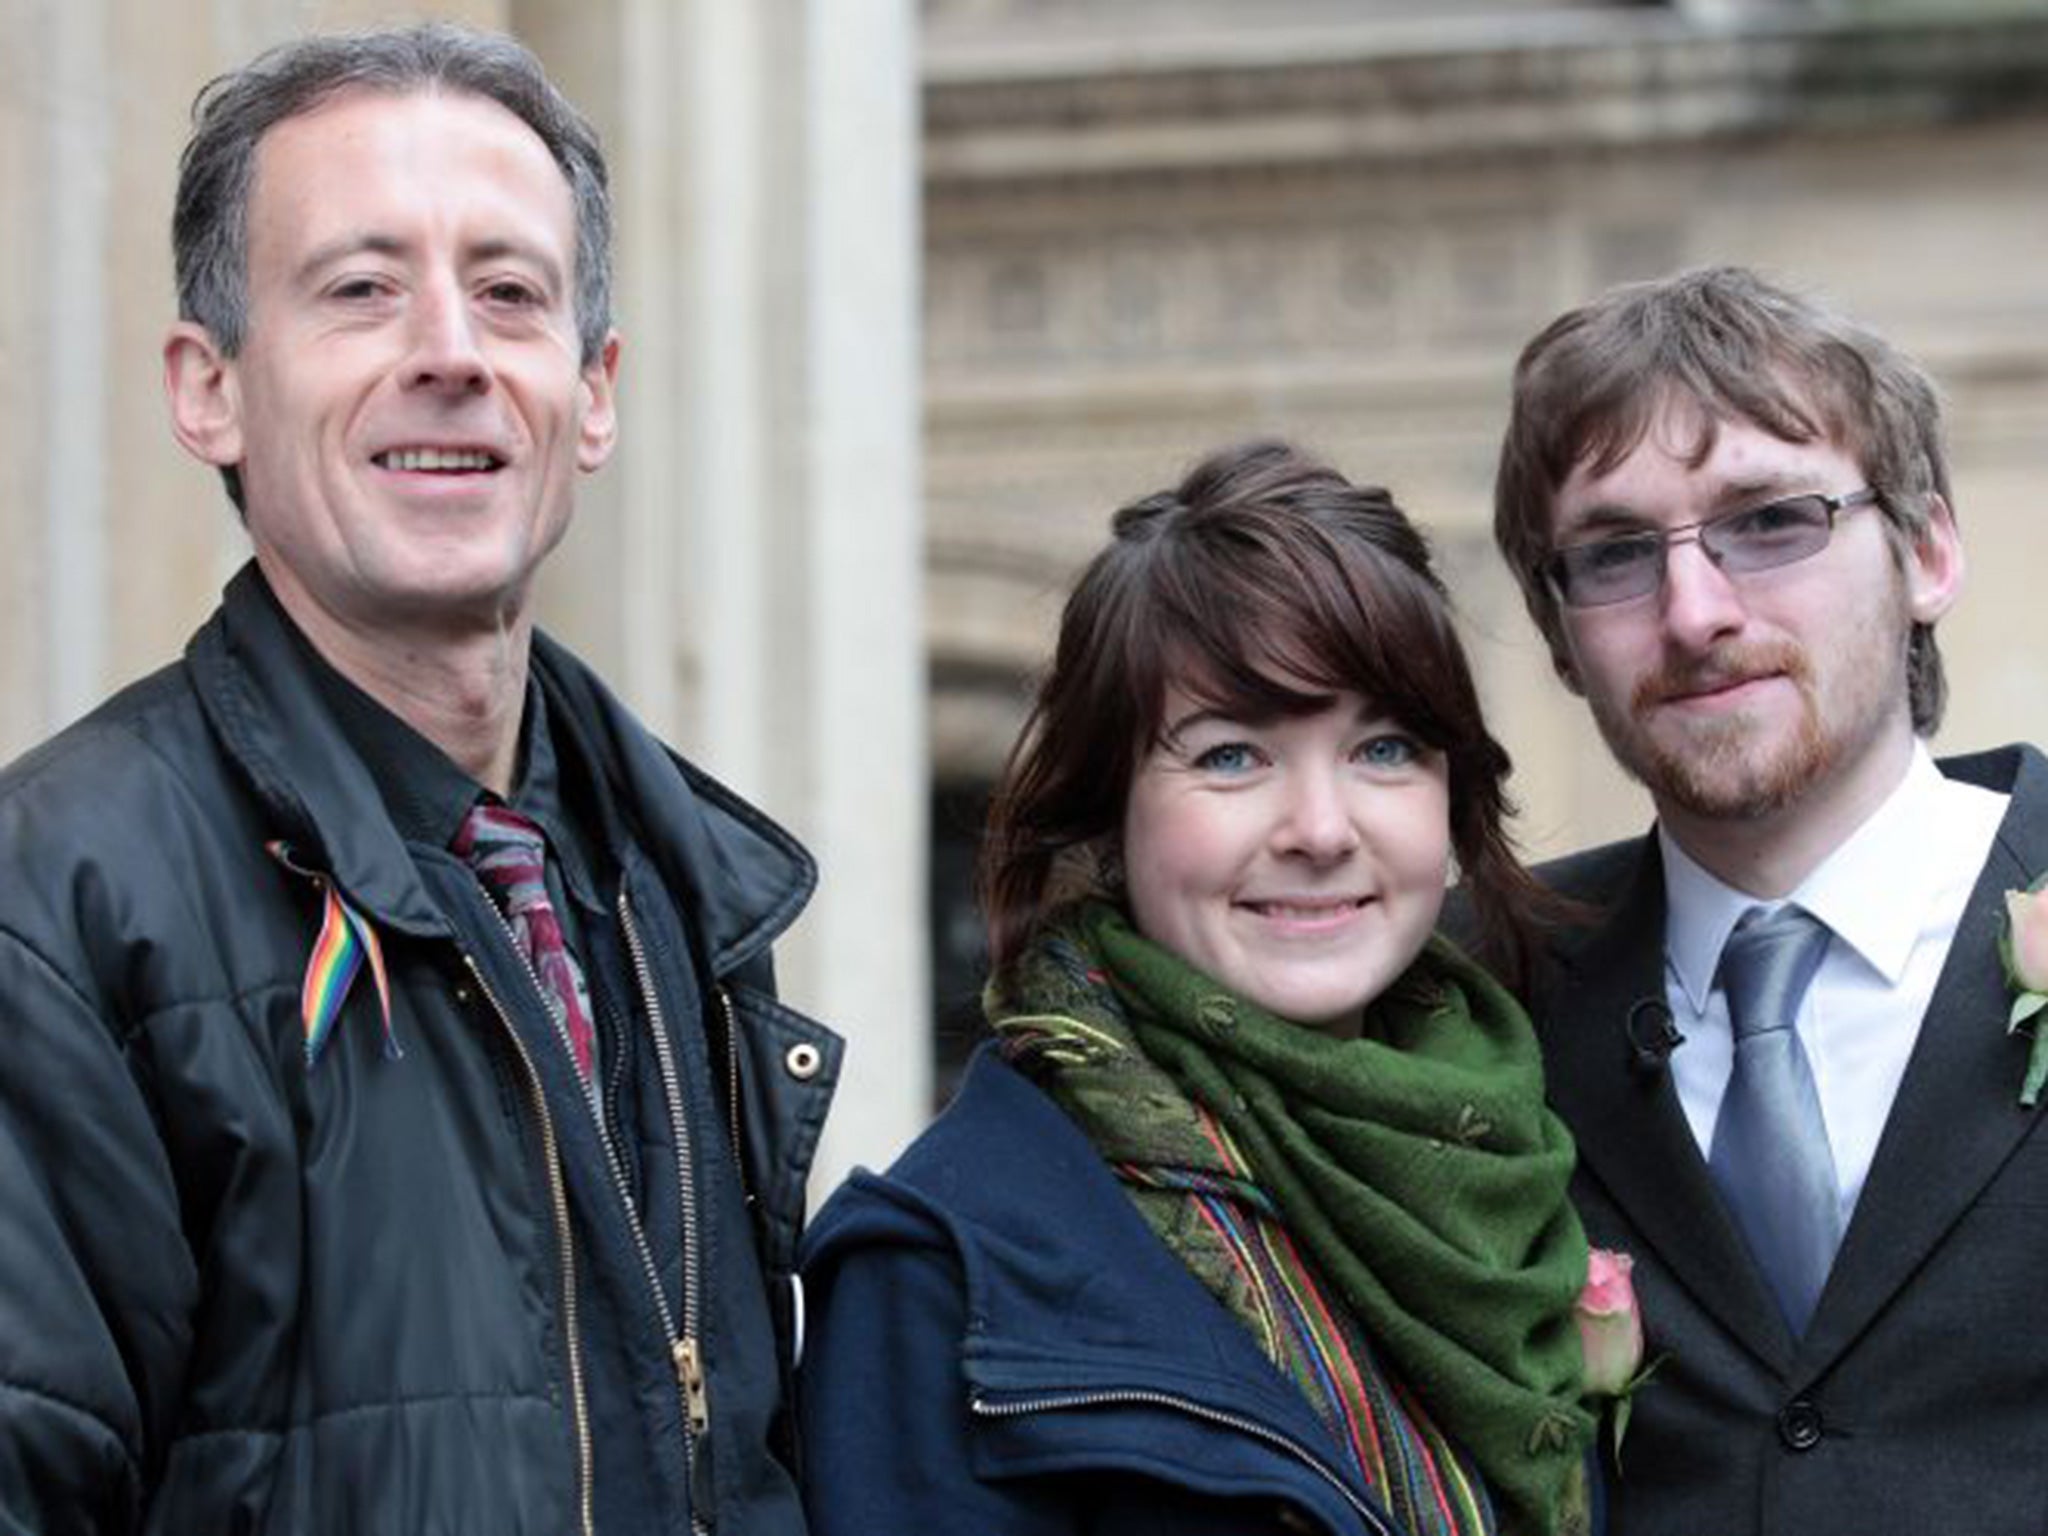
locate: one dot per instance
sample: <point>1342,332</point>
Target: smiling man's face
<point>410,409</point>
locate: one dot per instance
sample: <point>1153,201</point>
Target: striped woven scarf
<point>1227,1231</point>
<point>1408,1427</point>
<point>1193,1186</point>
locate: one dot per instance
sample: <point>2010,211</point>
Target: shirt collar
<point>424,792</point>
<point>1856,890</point>
<point>427,795</point>
<point>538,795</point>
<point>1700,911</point>
<point>1874,890</point>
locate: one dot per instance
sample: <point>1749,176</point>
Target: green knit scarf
<point>1417,1165</point>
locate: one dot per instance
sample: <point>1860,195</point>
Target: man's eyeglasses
<point>1631,565</point>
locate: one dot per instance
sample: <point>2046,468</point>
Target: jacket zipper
<point>558,1197</point>
<point>685,1350</point>
<point>1054,1401</point>
<point>685,1354</point>
<point>732,1088</point>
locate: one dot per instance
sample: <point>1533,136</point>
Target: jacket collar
<point>1069,1293</point>
<point>1073,1304</point>
<point>742,877</point>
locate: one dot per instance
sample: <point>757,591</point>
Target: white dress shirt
<point>1892,894</point>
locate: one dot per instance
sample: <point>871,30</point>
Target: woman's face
<point>1300,861</point>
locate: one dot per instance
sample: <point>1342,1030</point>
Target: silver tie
<point>1770,1155</point>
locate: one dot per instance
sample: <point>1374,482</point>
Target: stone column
<point>750,567</point>
<point>836,723</point>
<point>112,542</point>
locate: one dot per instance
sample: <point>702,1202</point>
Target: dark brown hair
<point>1590,385</point>
<point>1264,583</point>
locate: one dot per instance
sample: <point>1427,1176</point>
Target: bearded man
<point>1779,1034</point>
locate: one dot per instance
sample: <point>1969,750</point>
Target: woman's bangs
<point>1279,664</point>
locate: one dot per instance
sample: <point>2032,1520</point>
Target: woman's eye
<point>1226,757</point>
<point>1390,751</point>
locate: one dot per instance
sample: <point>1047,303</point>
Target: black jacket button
<point>1799,1424</point>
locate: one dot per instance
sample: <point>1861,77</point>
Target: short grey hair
<point>210,223</point>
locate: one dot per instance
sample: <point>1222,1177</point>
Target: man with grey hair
<point>1780,1034</point>
<point>398,1129</point>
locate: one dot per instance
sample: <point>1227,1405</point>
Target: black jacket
<point>1913,1403</point>
<point>242,1294</point>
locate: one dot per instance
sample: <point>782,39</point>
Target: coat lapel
<point>1632,1134</point>
<point>1960,1093</point>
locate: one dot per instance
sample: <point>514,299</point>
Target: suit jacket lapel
<point>1960,1093</point>
<point>1624,1112</point>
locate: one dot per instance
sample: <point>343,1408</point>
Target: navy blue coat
<point>1000,1344</point>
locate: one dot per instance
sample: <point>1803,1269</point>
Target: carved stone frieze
<point>1290,275</point>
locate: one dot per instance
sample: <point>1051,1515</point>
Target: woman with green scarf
<point>1251,1216</point>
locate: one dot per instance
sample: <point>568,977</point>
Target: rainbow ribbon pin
<point>346,940</point>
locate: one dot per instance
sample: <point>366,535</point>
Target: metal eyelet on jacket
<point>802,1062</point>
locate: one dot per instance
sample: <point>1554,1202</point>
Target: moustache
<point>1726,667</point>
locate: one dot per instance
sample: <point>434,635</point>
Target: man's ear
<point>204,396</point>
<point>1934,564</point>
<point>600,428</point>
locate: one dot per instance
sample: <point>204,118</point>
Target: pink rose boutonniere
<point>1611,1334</point>
<point>2023,947</point>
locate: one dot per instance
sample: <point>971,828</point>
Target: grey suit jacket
<point>1918,1400</point>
